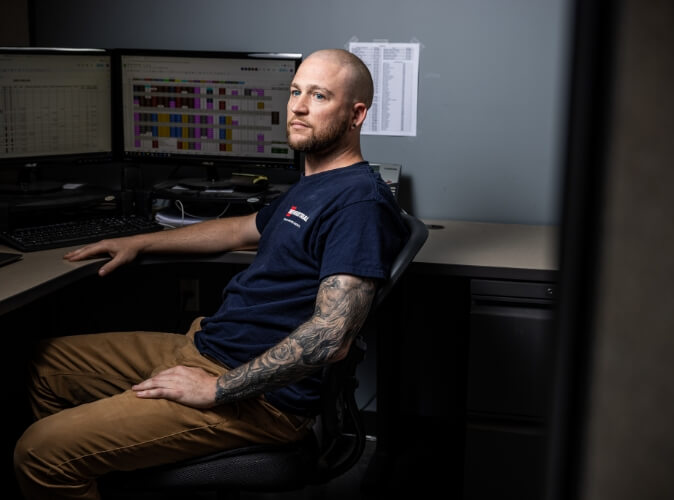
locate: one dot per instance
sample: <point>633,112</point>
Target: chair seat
<point>286,467</point>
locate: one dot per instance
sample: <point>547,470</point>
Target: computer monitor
<point>55,108</point>
<point>207,108</point>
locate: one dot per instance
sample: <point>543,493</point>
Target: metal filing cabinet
<point>509,375</point>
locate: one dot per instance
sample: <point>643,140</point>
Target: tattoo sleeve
<point>342,305</point>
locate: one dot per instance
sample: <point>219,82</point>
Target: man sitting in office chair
<point>250,372</point>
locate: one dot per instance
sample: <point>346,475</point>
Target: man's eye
<point>318,96</point>
<point>294,93</point>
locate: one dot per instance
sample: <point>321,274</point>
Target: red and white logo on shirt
<point>294,212</point>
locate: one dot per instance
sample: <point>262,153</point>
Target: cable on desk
<point>184,213</point>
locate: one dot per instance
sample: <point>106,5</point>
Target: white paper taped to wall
<point>395,71</point>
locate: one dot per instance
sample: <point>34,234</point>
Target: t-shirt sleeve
<point>361,239</point>
<point>265,213</point>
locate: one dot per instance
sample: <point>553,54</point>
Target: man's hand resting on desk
<point>122,251</point>
<point>211,236</point>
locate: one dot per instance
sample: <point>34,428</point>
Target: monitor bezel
<point>177,160</point>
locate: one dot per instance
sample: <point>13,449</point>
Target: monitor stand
<point>203,184</point>
<point>212,180</point>
<point>28,182</point>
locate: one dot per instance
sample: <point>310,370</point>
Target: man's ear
<point>359,114</point>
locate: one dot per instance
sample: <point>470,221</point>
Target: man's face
<point>318,109</point>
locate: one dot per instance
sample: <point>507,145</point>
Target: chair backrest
<point>339,436</point>
<point>340,428</point>
<point>418,236</point>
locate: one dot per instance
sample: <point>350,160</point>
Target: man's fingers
<point>152,394</point>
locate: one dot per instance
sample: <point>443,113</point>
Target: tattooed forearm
<point>342,305</point>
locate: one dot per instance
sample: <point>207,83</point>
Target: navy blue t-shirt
<point>342,221</point>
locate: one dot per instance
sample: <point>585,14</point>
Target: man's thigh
<point>124,432</point>
<point>69,371</point>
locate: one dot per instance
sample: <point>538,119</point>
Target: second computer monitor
<point>206,108</point>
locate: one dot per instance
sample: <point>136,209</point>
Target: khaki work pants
<point>90,422</point>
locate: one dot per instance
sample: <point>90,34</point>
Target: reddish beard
<point>317,142</point>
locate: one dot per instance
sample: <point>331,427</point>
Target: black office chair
<point>336,444</point>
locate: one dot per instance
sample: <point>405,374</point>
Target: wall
<point>613,410</point>
<point>14,29</point>
<point>629,449</point>
<point>491,82</point>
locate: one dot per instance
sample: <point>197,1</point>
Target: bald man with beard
<point>251,371</point>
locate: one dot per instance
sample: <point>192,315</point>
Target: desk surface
<point>38,272</point>
<point>506,251</point>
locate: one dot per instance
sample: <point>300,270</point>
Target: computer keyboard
<point>76,232</point>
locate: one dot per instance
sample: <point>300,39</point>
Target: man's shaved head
<point>361,88</point>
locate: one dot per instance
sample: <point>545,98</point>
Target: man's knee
<point>34,448</point>
<point>41,470</point>
<point>31,464</point>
